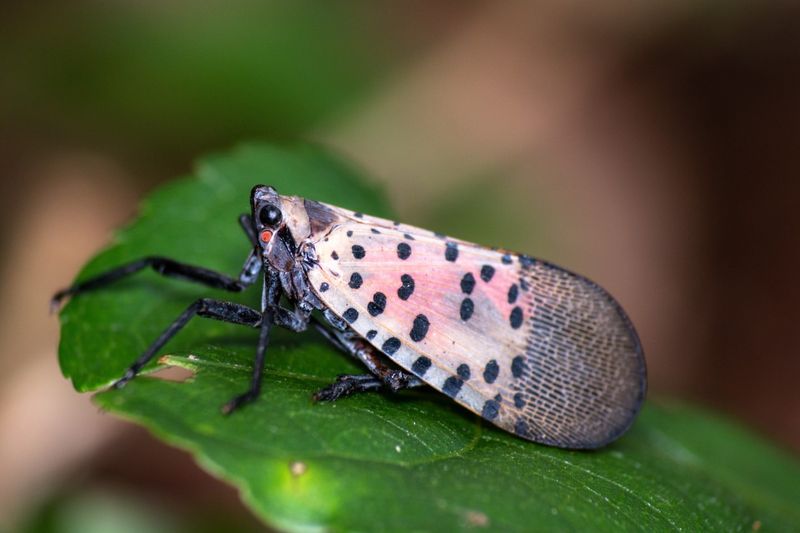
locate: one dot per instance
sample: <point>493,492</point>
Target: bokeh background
<point>653,146</point>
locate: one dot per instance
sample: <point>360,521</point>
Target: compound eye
<point>269,215</point>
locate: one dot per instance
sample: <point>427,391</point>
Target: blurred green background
<point>651,147</point>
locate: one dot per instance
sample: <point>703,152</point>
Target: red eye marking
<point>266,235</point>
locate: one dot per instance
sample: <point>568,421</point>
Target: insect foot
<point>345,385</point>
<point>396,380</point>
<point>238,401</point>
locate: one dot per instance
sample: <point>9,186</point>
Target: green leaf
<point>411,461</point>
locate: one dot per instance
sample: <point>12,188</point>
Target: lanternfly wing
<point>535,349</point>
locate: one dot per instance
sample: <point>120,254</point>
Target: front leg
<point>270,297</point>
<point>173,269</point>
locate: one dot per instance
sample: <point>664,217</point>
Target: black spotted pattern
<point>377,305</point>
<point>491,371</point>
<point>515,319</point>
<point>421,365</point>
<point>517,366</point>
<point>451,251</point>
<point>513,293</point>
<point>334,255</point>
<point>376,232</point>
<point>391,345</point>
<point>349,233</point>
<point>358,251</point>
<point>407,288</point>
<point>324,286</point>
<point>487,273</point>
<point>420,328</point>
<point>506,259</point>
<point>490,409</point>
<point>351,315</point>
<point>467,308</point>
<point>521,428</point>
<point>371,334</point>
<point>467,283</point>
<point>519,401</point>
<point>451,386</point>
<point>355,280</point>
<point>403,251</point>
<point>408,236</point>
<point>463,371</point>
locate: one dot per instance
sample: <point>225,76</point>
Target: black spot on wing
<point>487,273</point>
<point>324,286</point>
<point>521,428</point>
<point>491,371</point>
<point>421,365</point>
<point>517,366</point>
<point>351,315</point>
<point>377,305</point>
<point>490,409</point>
<point>463,371</point>
<point>451,252</point>
<point>515,319</point>
<point>451,386</point>
<point>420,328</point>
<point>519,401</point>
<point>467,308</point>
<point>391,345</point>
<point>407,288</point>
<point>506,259</point>
<point>371,334</point>
<point>355,280</point>
<point>467,283</point>
<point>513,293</point>
<point>334,255</point>
<point>358,251</point>
<point>403,251</point>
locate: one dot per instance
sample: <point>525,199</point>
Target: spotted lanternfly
<point>538,351</point>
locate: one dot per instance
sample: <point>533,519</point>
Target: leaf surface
<point>411,461</point>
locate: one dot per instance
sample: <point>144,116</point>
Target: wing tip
<point>640,387</point>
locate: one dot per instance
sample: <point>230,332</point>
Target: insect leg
<point>347,385</point>
<point>246,222</point>
<point>382,375</point>
<point>204,307</point>
<point>270,298</point>
<point>294,321</point>
<point>169,268</point>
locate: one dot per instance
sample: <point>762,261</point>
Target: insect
<point>537,350</point>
